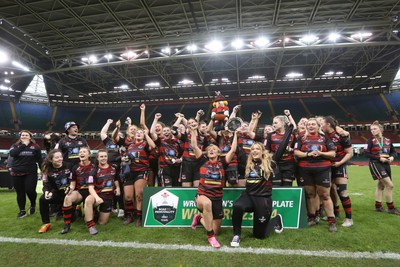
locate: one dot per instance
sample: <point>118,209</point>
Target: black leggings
<point>44,204</point>
<point>262,208</point>
<point>25,185</point>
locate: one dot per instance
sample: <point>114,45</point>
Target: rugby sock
<point>346,203</point>
<point>199,219</point>
<point>129,208</point>
<point>390,205</point>
<point>210,233</point>
<point>319,211</point>
<point>378,204</point>
<point>138,213</point>
<point>331,220</point>
<point>311,216</point>
<point>336,211</point>
<point>90,223</point>
<point>68,211</point>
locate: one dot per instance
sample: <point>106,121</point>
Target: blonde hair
<point>376,123</point>
<point>266,162</point>
<point>319,127</point>
<point>284,120</point>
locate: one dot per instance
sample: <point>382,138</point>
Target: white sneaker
<point>121,213</point>
<point>235,241</point>
<point>347,222</point>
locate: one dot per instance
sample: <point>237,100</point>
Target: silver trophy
<point>233,124</point>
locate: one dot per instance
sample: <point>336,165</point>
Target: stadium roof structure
<point>99,52</point>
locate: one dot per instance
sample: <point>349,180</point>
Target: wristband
<point>307,154</point>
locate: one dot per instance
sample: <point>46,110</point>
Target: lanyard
<point>380,144</point>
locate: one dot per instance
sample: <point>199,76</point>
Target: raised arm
<point>149,140</point>
<point>291,120</point>
<point>143,117</point>
<point>199,113</point>
<point>234,112</point>
<point>231,152</point>
<point>153,134</point>
<point>179,118</point>
<point>104,130</point>
<point>193,140</point>
<point>114,135</point>
<point>255,117</point>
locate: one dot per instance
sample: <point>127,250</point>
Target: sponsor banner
<point>175,207</point>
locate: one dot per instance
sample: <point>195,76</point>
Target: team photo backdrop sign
<point>175,207</point>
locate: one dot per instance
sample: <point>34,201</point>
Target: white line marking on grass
<point>356,194</point>
<point>313,253</point>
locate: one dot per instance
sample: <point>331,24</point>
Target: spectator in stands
<point>71,143</point>
<point>56,176</point>
<point>103,185</point>
<point>26,156</point>
<point>259,173</point>
<point>211,183</point>
<point>381,153</point>
<point>344,152</point>
<point>114,159</point>
<point>314,152</point>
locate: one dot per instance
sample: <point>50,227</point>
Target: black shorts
<point>316,176</point>
<point>232,175</point>
<point>154,164</point>
<point>169,176</point>
<point>339,172</point>
<point>217,210</point>
<point>84,193</point>
<point>134,176</point>
<point>287,170</point>
<point>106,206</point>
<point>190,171</point>
<point>380,170</point>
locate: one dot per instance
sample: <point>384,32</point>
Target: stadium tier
<point>346,109</point>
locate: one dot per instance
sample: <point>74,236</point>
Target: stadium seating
<point>36,117</point>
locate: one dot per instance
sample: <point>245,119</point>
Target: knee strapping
<point>340,188</point>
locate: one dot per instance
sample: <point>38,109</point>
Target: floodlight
<point>333,36</point>
<point>108,56</point>
<point>3,57</point>
<point>294,75</point>
<point>237,44</point>
<point>192,48</point>
<point>153,84</point>
<point>261,42</point>
<point>214,46</point>
<point>185,82</point>
<point>92,59</point>
<point>166,50</point>
<point>309,38</point>
<point>361,35</point>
